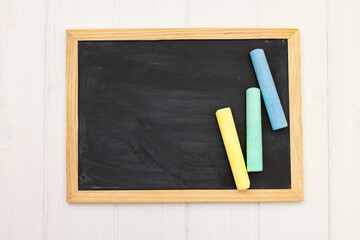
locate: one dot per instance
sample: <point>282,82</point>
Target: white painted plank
<point>152,14</point>
<point>308,219</point>
<point>344,86</point>
<point>22,56</point>
<point>159,220</point>
<point>151,221</point>
<point>64,220</point>
<point>22,46</point>
<point>222,13</point>
<point>222,220</point>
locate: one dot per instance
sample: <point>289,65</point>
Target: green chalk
<point>254,154</point>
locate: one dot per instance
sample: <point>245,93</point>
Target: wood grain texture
<point>152,14</point>
<point>74,195</point>
<point>65,221</point>
<point>221,14</point>
<point>225,221</point>
<point>180,33</point>
<point>184,196</point>
<point>309,218</point>
<point>296,149</point>
<point>71,115</point>
<point>22,66</point>
<point>151,221</point>
<point>344,118</point>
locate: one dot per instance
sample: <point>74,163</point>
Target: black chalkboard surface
<point>146,112</point>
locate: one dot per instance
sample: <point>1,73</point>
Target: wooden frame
<point>261,195</point>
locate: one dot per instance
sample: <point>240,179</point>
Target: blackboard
<point>141,123</point>
<point>146,113</point>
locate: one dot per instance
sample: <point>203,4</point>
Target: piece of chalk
<point>254,158</point>
<point>233,150</point>
<point>268,90</point>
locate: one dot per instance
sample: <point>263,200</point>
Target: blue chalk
<point>268,90</point>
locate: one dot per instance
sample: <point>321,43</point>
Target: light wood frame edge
<point>266,195</point>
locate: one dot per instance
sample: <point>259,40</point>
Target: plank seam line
<point>187,11</point>
<point>259,232</point>
<point>45,123</point>
<point>328,109</point>
<point>186,221</point>
<point>117,5</point>
<point>256,13</point>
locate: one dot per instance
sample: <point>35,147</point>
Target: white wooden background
<point>32,123</point>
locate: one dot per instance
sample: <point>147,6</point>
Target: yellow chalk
<point>232,145</point>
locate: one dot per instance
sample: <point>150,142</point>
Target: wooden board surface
<point>22,120</point>
<point>344,119</point>
<point>313,218</point>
